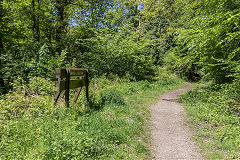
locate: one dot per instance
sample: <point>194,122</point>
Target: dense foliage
<point>122,37</point>
<point>208,41</point>
<point>39,35</point>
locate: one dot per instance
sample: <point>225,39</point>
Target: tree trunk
<point>2,84</point>
<point>1,35</point>
<point>38,23</point>
<point>36,31</point>
<point>60,29</point>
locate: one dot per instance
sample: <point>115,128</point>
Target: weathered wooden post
<point>59,74</point>
<point>67,85</point>
<point>87,84</point>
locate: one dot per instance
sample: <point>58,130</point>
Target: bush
<point>110,54</point>
<point>33,99</point>
<point>216,109</point>
<point>41,86</point>
<point>111,96</point>
<point>184,66</point>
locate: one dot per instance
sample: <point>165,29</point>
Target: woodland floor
<point>171,137</point>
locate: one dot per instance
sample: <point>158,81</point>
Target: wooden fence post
<point>87,83</point>
<point>67,83</point>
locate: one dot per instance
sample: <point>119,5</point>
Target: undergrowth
<point>112,125</point>
<point>215,114</point>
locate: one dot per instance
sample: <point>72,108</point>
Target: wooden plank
<point>61,85</point>
<point>87,83</point>
<point>77,72</point>
<point>77,83</point>
<point>77,69</point>
<point>60,73</point>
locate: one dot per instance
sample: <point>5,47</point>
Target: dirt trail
<point>171,138</point>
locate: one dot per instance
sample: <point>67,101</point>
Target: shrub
<point>110,96</point>
<point>216,109</point>
<point>33,99</point>
<point>41,86</point>
<point>105,54</point>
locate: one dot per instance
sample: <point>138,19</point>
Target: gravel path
<point>171,138</point>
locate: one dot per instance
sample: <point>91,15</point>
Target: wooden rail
<point>64,82</point>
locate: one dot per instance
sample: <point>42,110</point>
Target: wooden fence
<point>65,82</point>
